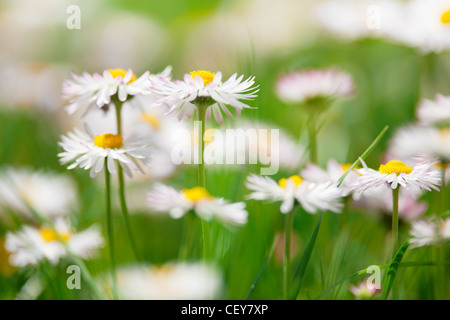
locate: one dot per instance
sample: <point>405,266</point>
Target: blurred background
<point>262,38</point>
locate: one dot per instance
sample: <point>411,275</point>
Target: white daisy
<point>315,84</point>
<point>311,196</point>
<point>31,245</point>
<point>334,172</point>
<point>182,281</point>
<point>422,24</point>
<point>205,88</point>
<point>163,131</point>
<point>432,112</point>
<point>90,152</point>
<point>430,232</point>
<point>163,198</point>
<point>365,290</point>
<point>88,90</point>
<point>412,141</point>
<point>48,193</point>
<point>395,173</point>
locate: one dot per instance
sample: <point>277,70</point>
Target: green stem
<point>395,195</point>
<point>201,109</point>
<point>288,226</point>
<point>123,203</point>
<point>110,232</point>
<point>312,139</point>
<point>443,189</point>
<point>118,108</point>
<point>126,215</point>
<point>187,239</point>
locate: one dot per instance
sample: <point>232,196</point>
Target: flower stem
<point>186,239</point>
<point>126,215</point>
<point>109,228</point>
<point>443,189</point>
<point>123,203</point>
<point>395,195</point>
<point>312,139</point>
<point>288,226</point>
<point>201,109</point>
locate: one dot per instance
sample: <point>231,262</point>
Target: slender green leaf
<point>263,267</point>
<point>384,266</point>
<point>393,267</point>
<point>364,155</point>
<point>301,269</point>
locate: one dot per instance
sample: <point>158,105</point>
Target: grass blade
<point>301,269</point>
<point>263,267</point>
<point>393,267</point>
<point>364,155</point>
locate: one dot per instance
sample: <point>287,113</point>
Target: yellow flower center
<point>151,120</point>
<point>445,17</point>
<point>296,179</point>
<point>108,141</point>
<point>395,166</point>
<point>196,194</point>
<point>121,72</point>
<point>206,76</point>
<point>49,235</point>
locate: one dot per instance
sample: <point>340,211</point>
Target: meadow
<point>187,231</point>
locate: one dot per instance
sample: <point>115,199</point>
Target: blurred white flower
<point>30,245</point>
<point>365,290</point>
<point>333,173</point>
<point>47,193</point>
<point>31,85</point>
<point>182,281</point>
<point>163,198</point>
<point>430,232</point>
<point>434,112</point>
<point>206,88</point>
<point>309,85</point>
<point>421,24</point>
<point>412,141</point>
<point>312,197</point>
<point>89,151</point>
<point>344,18</point>
<point>395,173</point>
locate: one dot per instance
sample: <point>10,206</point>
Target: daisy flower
<point>48,193</point>
<point>163,198</point>
<point>314,85</point>
<point>311,196</point>
<point>365,290</point>
<point>182,281</point>
<point>32,245</point>
<point>395,173</point>
<point>412,141</point>
<point>204,88</point>
<point>422,24</point>
<point>87,90</point>
<point>431,232</point>
<point>333,173</point>
<point>432,112</point>
<point>87,151</point>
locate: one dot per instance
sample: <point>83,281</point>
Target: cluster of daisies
<point>41,203</point>
<point>129,125</point>
<point>420,24</point>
